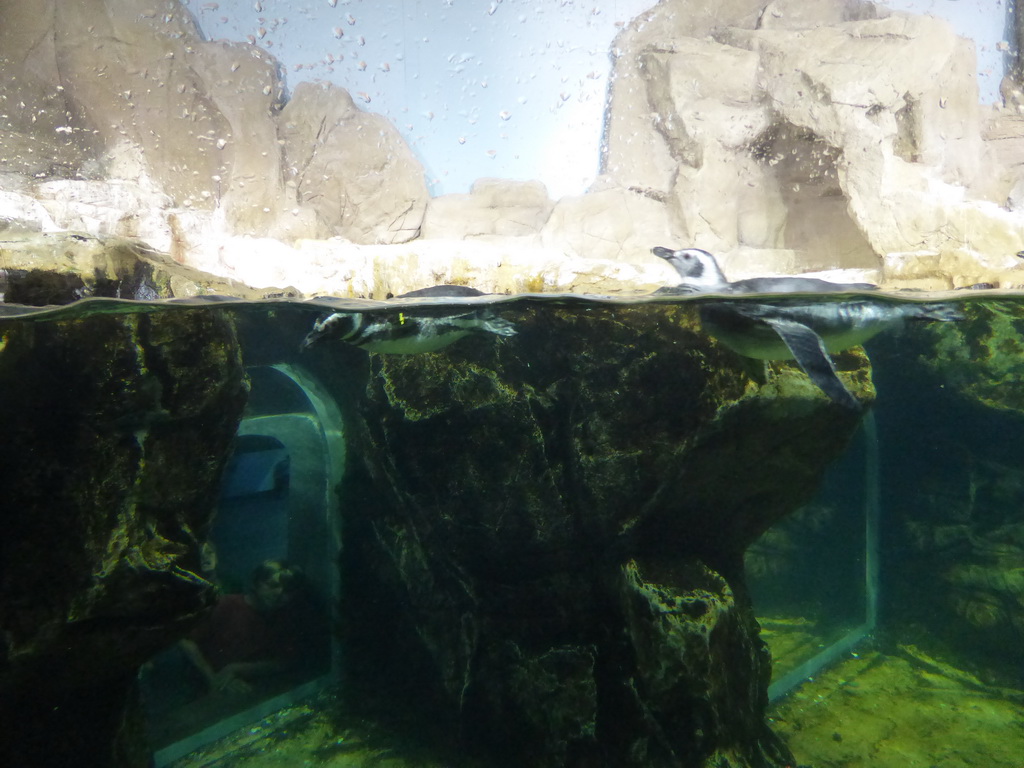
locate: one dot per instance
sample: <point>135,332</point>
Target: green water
<point>948,481</point>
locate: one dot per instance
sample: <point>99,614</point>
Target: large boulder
<point>635,154</point>
<point>243,83</point>
<point>126,70</point>
<point>544,535</point>
<point>841,132</point>
<point>125,121</point>
<point>352,167</point>
<point>45,133</point>
<point>494,207</point>
<point>611,222</point>
<point>116,430</point>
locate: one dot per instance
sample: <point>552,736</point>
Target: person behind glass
<point>252,636</point>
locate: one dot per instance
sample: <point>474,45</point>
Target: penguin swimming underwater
<point>794,329</point>
<point>404,333</point>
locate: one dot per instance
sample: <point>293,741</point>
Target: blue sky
<point>499,88</point>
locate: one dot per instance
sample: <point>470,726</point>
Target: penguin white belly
<point>765,343</point>
<point>749,329</point>
<point>413,345</point>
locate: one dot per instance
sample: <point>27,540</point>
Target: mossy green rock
<point>544,535</point>
<point>950,425</point>
<point>115,433</point>
<point>982,356</point>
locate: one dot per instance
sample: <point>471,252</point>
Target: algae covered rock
<point>116,429</point>
<point>949,430</point>
<point>982,356</point>
<point>544,535</point>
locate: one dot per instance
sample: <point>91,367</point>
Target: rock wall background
<point>784,137</point>
<point>116,430</point>
<point>836,134</point>
<point>544,536</point>
<point>952,520</point>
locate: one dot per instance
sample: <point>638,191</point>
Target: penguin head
<point>340,325</point>
<point>697,268</point>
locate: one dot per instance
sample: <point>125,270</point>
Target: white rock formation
<point>503,265</point>
<point>834,130</point>
<point>351,167</point>
<point>494,207</point>
<point>128,93</point>
<point>610,222</point>
<point>785,136</point>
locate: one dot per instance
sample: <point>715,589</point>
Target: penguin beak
<point>310,339</point>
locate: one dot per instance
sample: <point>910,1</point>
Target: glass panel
<point>267,640</point>
<point>812,577</point>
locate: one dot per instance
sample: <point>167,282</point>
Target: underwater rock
<point>960,580</point>
<point>980,358</point>
<point>116,430</point>
<point>683,619</point>
<point>956,517</point>
<point>544,537</point>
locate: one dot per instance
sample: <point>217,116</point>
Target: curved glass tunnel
<point>277,504</point>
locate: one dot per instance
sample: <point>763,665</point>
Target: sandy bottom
<point>901,709</point>
<point>316,733</point>
<point>889,706</point>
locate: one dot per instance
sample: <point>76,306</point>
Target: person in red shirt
<point>252,636</point>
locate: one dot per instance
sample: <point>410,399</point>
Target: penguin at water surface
<point>410,333</point>
<point>801,329</point>
<point>700,273</point>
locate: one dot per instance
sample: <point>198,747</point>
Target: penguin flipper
<point>808,349</point>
